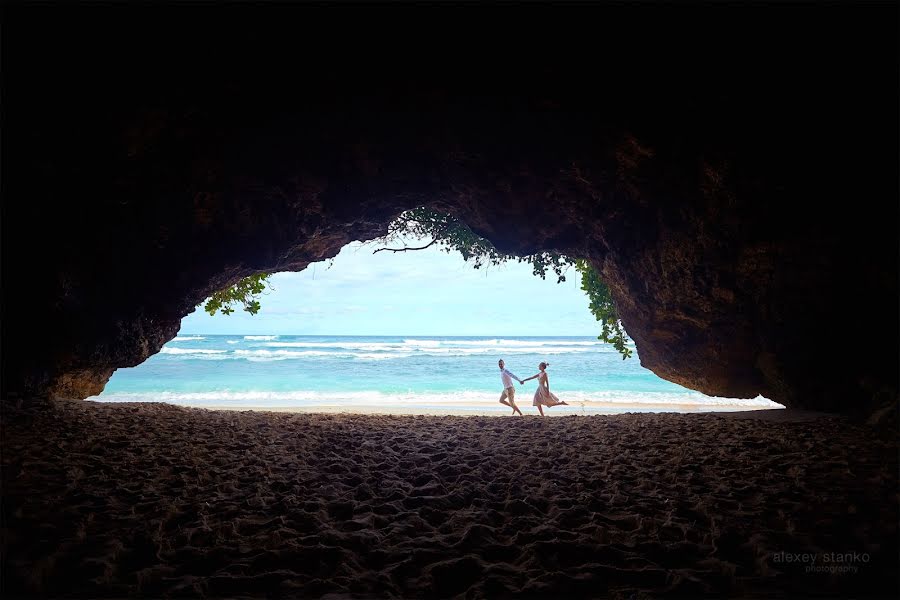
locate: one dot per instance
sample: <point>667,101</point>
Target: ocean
<point>400,374</point>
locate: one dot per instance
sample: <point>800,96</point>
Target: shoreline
<point>451,409</point>
<point>464,412</point>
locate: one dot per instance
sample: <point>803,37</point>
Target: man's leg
<point>503,398</point>
<point>512,401</point>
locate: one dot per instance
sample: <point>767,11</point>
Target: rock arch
<point>740,199</point>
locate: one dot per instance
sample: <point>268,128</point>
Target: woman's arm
<point>530,378</point>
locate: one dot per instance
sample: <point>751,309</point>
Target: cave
<point>731,172</point>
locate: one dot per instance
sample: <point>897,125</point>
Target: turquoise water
<point>452,374</point>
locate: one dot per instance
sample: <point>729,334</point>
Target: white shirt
<point>507,378</point>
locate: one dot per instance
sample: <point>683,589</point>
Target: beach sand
<point>488,409</point>
<point>155,500</point>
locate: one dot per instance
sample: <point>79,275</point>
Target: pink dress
<point>542,395</point>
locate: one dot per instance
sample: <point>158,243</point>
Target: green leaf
<point>244,292</point>
<point>450,234</point>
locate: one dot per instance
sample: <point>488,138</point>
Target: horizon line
<point>383,335</point>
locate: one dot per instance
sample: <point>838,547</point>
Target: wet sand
<point>154,500</point>
<point>489,409</point>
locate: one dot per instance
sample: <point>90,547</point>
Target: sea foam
<point>460,399</point>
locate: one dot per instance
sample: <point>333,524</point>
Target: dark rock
<point>739,197</point>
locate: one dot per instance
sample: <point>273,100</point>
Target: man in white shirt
<point>509,390</point>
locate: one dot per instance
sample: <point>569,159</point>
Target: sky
<point>424,293</point>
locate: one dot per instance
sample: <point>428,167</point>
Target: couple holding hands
<point>542,397</point>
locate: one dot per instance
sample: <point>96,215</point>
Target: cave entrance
<point>409,332</point>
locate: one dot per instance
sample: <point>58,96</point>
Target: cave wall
<point>738,195</point>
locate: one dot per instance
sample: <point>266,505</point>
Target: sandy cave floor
<point>156,500</point>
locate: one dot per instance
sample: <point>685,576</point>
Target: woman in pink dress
<point>543,397</point>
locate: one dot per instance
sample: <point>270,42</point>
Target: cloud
<point>426,292</point>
